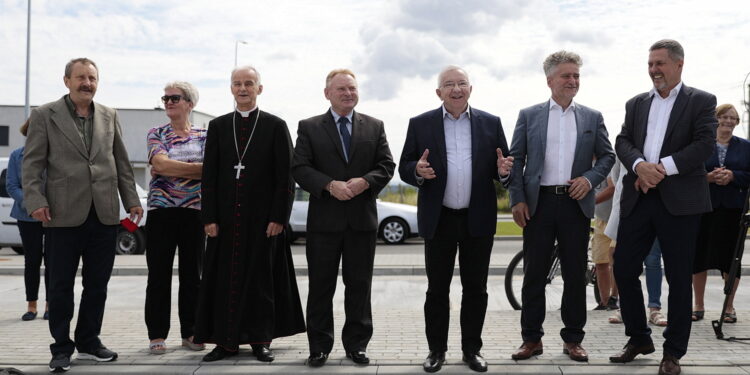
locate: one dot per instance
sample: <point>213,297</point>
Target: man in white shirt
<point>453,154</point>
<point>552,199</point>
<point>667,136</point>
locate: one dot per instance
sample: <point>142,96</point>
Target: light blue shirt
<point>13,185</point>
<point>336,118</point>
<point>458,153</point>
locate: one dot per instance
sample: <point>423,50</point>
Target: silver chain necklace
<point>239,167</point>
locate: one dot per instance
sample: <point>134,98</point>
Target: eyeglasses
<point>460,84</point>
<point>727,117</point>
<point>174,98</point>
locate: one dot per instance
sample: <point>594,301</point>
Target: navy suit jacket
<point>689,139</point>
<point>737,160</point>
<point>427,131</point>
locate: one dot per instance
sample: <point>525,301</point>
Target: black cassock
<point>248,290</point>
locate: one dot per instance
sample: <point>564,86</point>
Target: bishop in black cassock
<point>248,291</point>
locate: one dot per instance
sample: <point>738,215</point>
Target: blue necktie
<point>345,136</point>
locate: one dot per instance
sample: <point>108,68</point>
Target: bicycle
<point>553,290</point>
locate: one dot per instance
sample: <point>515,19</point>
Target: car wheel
<point>130,243</point>
<point>18,249</point>
<point>394,230</point>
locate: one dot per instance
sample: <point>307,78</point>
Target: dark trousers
<point>557,217</point>
<point>452,234</point>
<point>32,237</point>
<point>167,229</point>
<point>93,242</point>
<point>356,250</point>
<point>677,236</point>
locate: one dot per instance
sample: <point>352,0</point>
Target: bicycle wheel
<point>514,280</point>
<point>514,283</point>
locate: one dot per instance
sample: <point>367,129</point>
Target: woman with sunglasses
<point>175,152</point>
<point>728,179</point>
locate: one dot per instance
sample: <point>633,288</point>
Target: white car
<point>396,222</point>
<point>127,243</point>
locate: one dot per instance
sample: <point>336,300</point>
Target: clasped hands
<point>345,190</point>
<point>720,176</point>
<point>504,165</point>
<point>649,175</point>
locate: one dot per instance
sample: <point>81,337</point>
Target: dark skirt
<point>717,239</point>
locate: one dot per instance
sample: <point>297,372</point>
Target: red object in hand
<point>129,225</point>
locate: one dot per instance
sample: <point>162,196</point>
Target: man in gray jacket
<point>552,199</point>
<point>77,144</point>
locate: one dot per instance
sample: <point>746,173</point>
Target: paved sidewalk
<point>397,347</point>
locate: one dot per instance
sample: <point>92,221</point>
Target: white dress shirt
<point>458,152</point>
<point>658,118</point>
<point>561,145</point>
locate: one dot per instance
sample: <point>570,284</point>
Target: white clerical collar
<point>246,113</point>
<point>467,112</point>
<point>336,116</point>
<point>672,92</point>
<point>553,104</point>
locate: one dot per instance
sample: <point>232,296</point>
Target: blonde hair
<point>336,72</point>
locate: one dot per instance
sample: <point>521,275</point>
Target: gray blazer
<point>76,178</point>
<point>530,143</point>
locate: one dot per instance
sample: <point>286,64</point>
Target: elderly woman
<point>32,234</point>
<point>728,177</point>
<point>175,152</point>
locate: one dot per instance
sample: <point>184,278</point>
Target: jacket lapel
<point>641,122</point>
<point>439,134</point>
<point>475,119</point>
<point>64,121</point>
<point>541,128</point>
<point>331,128</point>
<point>357,134</point>
<point>98,133</point>
<point>679,107</point>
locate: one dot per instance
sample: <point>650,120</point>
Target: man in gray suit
<point>76,145</point>
<point>552,199</point>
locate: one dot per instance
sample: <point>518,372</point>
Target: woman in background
<point>32,234</point>
<point>728,179</point>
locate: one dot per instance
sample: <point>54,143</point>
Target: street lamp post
<point>236,44</point>
<point>26,108</point>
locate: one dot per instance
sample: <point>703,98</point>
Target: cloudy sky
<point>396,47</point>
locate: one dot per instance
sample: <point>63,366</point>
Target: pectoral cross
<point>239,167</point>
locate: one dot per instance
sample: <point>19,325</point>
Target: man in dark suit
<point>453,154</point>
<point>342,158</point>
<point>74,164</point>
<point>552,199</point>
<point>667,136</point>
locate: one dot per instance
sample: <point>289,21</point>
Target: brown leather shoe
<point>670,365</point>
<point>629,351</point>
<point>575,351</point>
<point>527,350</point>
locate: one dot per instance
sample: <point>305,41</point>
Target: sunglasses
<point>173,98</point>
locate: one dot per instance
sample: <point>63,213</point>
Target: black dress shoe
<point>29,315</point>
<point>434,362</point>
<point>218,353</point>
<point>475,362</point>
<point>263,353</point>
<point>629,351</point>
<point>317,359</point>
<point>359,358</point>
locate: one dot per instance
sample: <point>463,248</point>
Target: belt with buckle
<point>555,189</point>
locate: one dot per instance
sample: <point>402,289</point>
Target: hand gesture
<point>423,167</point>
<point>340,191</point>
<point>357,185</point>
<point>504,165</point>
<point>273,229</point>
<point>520,213</point>
<point>650,174</point>
<point>579,187</point>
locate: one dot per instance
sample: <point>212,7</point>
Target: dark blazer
<point>737,160</point>
<point>689,139</point>
<point>319,159</point>
<point>529,150</point>
<point>426,131</point>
